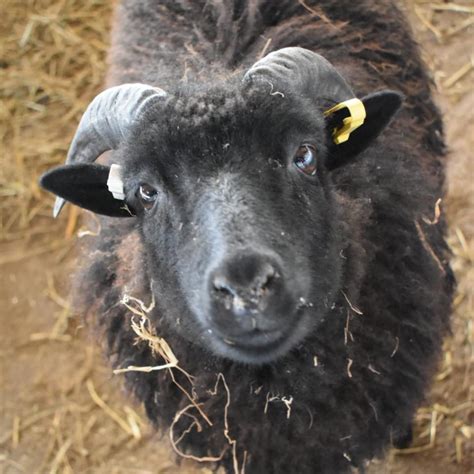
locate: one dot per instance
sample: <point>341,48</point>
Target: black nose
<point>245,283</point>
<point>248,292</point>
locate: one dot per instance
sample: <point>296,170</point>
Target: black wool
<point>370,272</point>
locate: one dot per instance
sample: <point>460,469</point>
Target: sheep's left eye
<point>305,159</point>
<point>147,195</point>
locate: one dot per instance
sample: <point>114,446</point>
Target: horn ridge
<point>107,121</point>
<point>302,71</point>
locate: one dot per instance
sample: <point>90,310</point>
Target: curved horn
<point>299,69</point>
<point>107,121</point>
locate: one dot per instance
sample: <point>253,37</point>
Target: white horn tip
<point>58,205</point>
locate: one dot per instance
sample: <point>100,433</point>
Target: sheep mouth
<point>257,347</point>
<point>256,339</point>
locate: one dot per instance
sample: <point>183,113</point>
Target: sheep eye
<point>147,195</point>
<point>305,159</point>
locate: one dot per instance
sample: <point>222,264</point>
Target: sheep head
<point>231,190</point>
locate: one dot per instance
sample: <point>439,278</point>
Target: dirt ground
<point>62,409</point>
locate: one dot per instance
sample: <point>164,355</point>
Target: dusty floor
<point>62,410</point>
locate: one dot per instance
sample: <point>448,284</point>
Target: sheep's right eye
<point>147,195</point>
<point>305,159</point>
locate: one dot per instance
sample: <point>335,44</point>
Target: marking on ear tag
<point>115,183</point>
<point>351,123</point>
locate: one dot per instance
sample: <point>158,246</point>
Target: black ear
<point>86,186</point>
<point>380,107</point>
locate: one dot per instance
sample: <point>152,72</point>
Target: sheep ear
<point>88,186</point>
<point>353,125</point>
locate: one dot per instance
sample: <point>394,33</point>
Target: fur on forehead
<point>211,117</point>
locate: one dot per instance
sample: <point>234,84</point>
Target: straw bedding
<point>71,417</point>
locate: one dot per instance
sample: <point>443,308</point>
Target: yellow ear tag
<point>351,123</point>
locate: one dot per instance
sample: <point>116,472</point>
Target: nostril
<point>265,280</point>
<point>224,292</point>
<point>222,286</point>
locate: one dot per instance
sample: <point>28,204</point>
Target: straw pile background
<point>62,410</point>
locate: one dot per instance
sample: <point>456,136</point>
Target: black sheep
<point>303,284</point>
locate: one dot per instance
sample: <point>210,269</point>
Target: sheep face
<point>231,189</point>
<point>238,219</point>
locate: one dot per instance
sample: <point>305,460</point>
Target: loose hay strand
<point>232,442</point>
<point>428,248</point>
<point>26,423</point>
<point>157,345</point>
<point>348,369</point>
<point>426,447</point>
<point>174,442</point>
<point>147,369</point>
<point>356,310</point>
<point>16,432</point>
<point>437,214</point>
<point>160,347</point>
<point>459,74</point>
<point>453,7</point>
<point>60,455</point>
<point>109,411</point>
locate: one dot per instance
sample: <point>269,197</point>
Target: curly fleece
<point>351,387</point>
